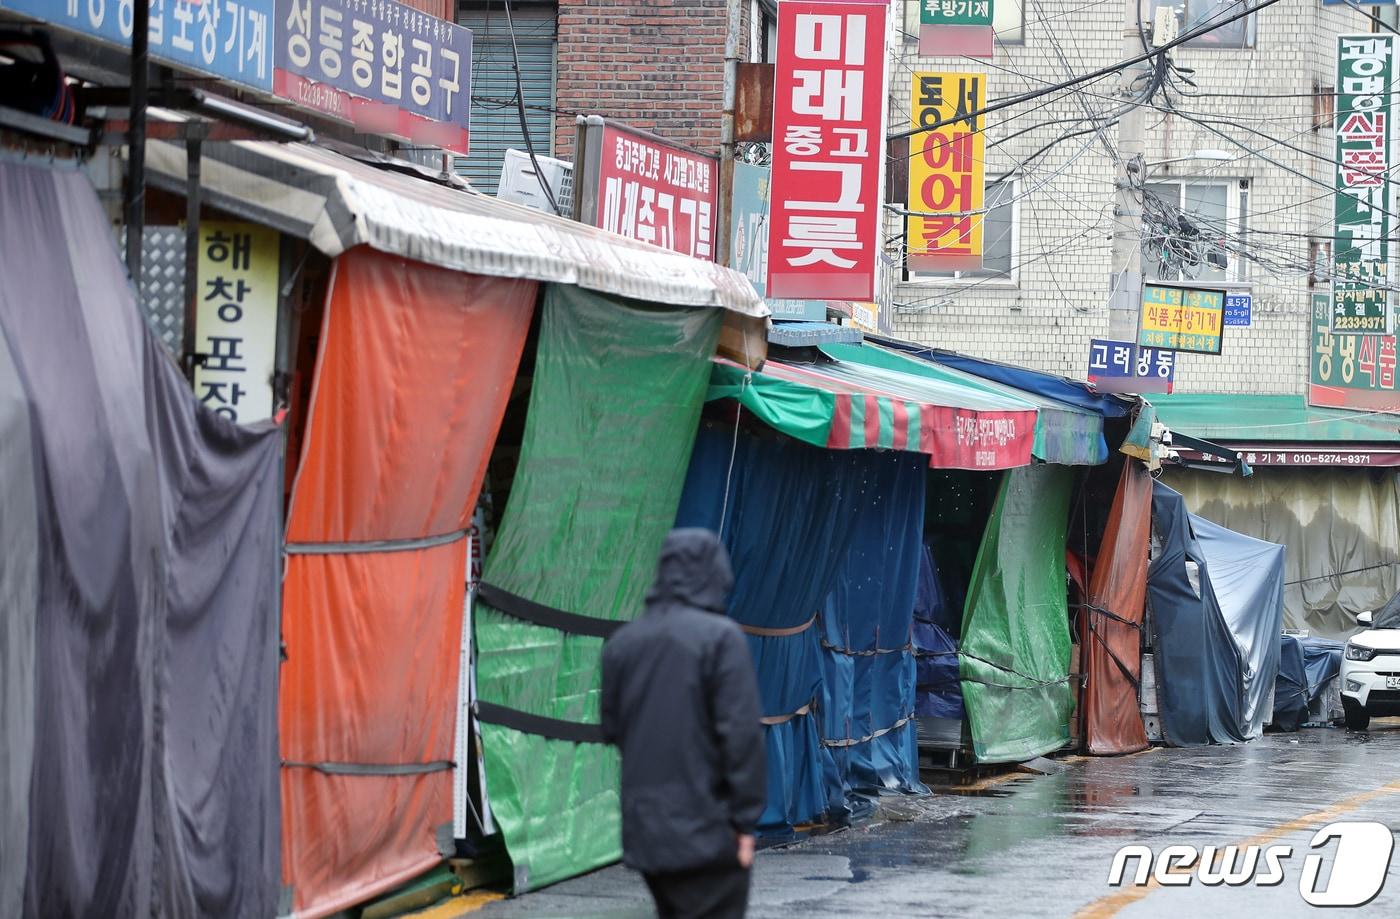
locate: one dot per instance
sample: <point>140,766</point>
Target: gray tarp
<point>138,595</point>
<point>1341,527</point>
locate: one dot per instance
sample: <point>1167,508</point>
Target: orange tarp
<point>1112,621</point>
<point>416,364</point>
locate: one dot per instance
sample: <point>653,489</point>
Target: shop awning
<point>336,203</point>
<point>1064,433</point>
<point>1236,418</point>
<point>846,406</point>
<point>1061,389</point>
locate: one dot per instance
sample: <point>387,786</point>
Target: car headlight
<point>1359,652</point>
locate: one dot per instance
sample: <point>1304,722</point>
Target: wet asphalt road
<point>1042,846</point>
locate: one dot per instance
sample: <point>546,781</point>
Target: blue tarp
<point>1322,658</point>
<point>1216,640</point>
<point>1061,389</point>
<point>1291,686</point>
<point>868,659</point>
<point>789,521</point>
<point>938,684</point>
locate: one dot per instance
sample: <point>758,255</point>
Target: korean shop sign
<point>828,150</point>
<point>1182,318</point>
<point>228,40</point>
<point>950,27</point>
<point>946,172</point>
<point>1362,251</point>
<point>650,190</point>
<point>384,67</point>
<point>748,234</point>
<point>1350,371</point>
<point>1122,367</point>
<point>236,325</point>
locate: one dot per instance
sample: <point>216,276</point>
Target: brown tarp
<point>415,368</point>
<point>1111,626</point>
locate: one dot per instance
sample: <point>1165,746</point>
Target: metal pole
<point>194,150</point>
<point>135,205</point>
<point>1125,280</point>
<point>726,155</point>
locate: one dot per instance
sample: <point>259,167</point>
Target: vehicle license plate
<point>1392,682</point>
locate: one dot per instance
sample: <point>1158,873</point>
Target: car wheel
<point>1356,716</point>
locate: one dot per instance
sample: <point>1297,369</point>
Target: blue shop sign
<point>1237,308</point>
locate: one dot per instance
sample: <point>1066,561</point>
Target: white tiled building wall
<point>1058,300</point>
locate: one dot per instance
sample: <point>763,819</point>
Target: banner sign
<point>1271,455</point>
<point>1182,318</point>
<point>1361,263</point>
<point>231,41</point>
<point>236,323</point>
<point>1122,367</point>
<point>656,192</point>
<point>947,172</point>
<point>384,67</point>
<point>1238,308</point>
<point>828,150</point>
<point>956,28</point>
<point>1350,371</point>
<point>748,250</point>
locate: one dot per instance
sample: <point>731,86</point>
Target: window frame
<point>1237,194</point>
<point>1251,27</point>
<point>1012,279</point>
<point>911,35</point>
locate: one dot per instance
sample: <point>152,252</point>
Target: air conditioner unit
<point>521,185</point>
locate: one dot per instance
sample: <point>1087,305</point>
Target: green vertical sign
<point>955,12</point>
<point>1361,266</point>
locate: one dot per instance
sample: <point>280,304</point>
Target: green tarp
<point>612,417</point>
<point>1231,418</point>
<point>1063,433</point>
<point>1015,636</point>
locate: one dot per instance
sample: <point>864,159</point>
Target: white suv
<point>1371,667</point>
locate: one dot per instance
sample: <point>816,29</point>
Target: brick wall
<point>655,64</point>
<point>1058,301</point>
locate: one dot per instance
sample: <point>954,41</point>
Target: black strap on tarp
<point>526,723</point>
<point>334,768</point>
<point>539,614</point>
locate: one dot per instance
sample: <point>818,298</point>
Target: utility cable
<point>520,104</point>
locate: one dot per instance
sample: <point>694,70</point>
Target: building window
<point>999,234</point>
<point>1008,21</point>
<point>1382,16</point>
<point>495,116</point>
<point>1202,14</point>
<point>1194,229</point>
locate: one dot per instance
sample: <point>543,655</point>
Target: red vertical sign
<point>828,150</point>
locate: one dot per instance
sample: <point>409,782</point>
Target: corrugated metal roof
<point>336,202</point>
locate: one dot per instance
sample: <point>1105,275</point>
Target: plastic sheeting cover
<point>1291,686</point>
<point>1064,433</point>
<point>138,595</point>
<point>1216,640</point>
<point>1341,528</point>
<point>868,658</point>
<point>617,393</point>
<point>787,520</point>
<point>415,368</point>
<point>1112,624</point>
<point>938,689</point>
<point>1015,633</point>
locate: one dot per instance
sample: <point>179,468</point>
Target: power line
<point>1110,70</point>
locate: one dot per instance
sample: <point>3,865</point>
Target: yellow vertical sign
<point>236,331</point>
<point>947,172</point>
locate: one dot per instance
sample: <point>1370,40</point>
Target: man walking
<point>681,702</point>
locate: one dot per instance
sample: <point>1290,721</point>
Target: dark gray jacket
<point>681,702</point>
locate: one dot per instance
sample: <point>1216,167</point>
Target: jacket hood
<point>693,571</point>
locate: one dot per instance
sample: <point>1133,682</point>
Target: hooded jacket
<point>680,700</point>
